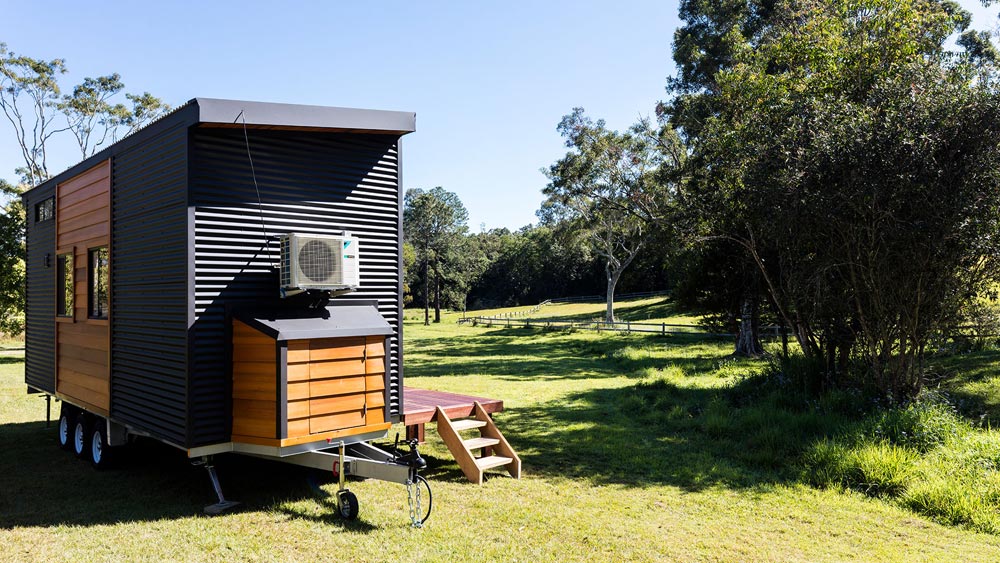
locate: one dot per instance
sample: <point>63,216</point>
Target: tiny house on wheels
<point>227,279</point>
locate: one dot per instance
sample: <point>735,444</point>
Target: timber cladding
<point>333,386</point>
<point>83,222</point>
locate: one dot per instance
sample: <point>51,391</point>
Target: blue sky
<point>488,81</point>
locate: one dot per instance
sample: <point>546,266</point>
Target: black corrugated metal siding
<point>40,311</point>
<point>310,182</point>
<point>149,285</point>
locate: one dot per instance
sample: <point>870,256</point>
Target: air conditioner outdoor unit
<point>319,262</point>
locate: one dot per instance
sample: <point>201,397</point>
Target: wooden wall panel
<point>255,383</point>
<point>334,387</point>
<point>83,222</point>
<point>345,387</point>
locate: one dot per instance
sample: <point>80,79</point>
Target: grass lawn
<point>647,310</point>
<point>618,466</point>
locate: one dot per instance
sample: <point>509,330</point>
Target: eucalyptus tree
<point>611,187</point>
<point>96,119</point>
<point>434,222</point>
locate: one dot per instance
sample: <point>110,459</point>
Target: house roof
<point>213,112</point>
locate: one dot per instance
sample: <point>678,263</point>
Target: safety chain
<point>414,510</point>
<point>417,522</point>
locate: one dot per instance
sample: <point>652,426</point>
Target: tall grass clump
<point>923,455</point>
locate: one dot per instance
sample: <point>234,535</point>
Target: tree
<point>32,101</point>
<point>89,111</point>
<point>610,187</point>
<point>532,264</point>
<point>29,95</point>
<point>11,261</point>
<point>434,222</point>
<point>852,157</point>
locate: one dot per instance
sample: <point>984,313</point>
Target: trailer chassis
<point>355,459</point>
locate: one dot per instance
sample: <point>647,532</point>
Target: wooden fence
<point>509,321</point>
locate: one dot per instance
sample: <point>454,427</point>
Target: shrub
<point>924,424</point>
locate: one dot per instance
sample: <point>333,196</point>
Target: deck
<point>420,407</point>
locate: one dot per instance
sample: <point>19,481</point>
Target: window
<point>97,275</point>
<point>64,285</point>
<point>45,210</point>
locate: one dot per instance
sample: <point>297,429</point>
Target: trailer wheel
<point>67,418</point>
<point>348,505</point>
<point>80,433</point>
<point>101,456</point>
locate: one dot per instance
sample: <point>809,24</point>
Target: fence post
<point>663,329</point>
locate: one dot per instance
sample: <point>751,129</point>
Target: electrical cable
<point>253,174</point>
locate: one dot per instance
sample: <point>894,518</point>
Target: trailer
<point>227,279</point>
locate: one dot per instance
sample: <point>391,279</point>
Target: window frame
<point>50,203</point>
<point>94,285</point>
<point>61,314</point>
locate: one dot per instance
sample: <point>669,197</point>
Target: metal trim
<point>281,349</point>
<point>399,290</point>
<point>227,112</point>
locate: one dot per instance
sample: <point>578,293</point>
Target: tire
<point>67,417</point>
<point>81,433</point>
<point>101,454</point>
<point>348,505</point>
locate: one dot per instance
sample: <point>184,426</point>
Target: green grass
<point>634,448</point>
<point>647,310</point>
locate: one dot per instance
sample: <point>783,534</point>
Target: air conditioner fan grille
<point>318,262</point>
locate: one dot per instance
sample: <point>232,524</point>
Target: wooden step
<point>492,461</point>
<point>476,443</point>
<point>467,424</point>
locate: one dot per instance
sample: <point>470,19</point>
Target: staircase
<point>496,451</point>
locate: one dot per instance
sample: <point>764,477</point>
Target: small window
<point>64,285</point>
<point>45,210</point>
<point>97,274</point>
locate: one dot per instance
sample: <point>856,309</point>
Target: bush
<point>924,424</point>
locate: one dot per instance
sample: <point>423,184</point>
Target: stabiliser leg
<point>223,505</point>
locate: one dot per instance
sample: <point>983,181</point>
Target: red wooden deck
<point>419,405</point>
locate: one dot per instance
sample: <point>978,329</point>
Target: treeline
<point>524,267</point>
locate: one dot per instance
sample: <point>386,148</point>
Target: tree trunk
<point>612,282</point>
<point>747,339</point>
<point>437,295</point>
<point>427,301</point>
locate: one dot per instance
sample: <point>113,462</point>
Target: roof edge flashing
<point>266,114</point>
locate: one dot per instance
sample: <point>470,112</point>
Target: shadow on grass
<point>520,353</point>
<point>593,436</point>
<point>44,485</point>
<point>11,359</point>
<point>973,381</point>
